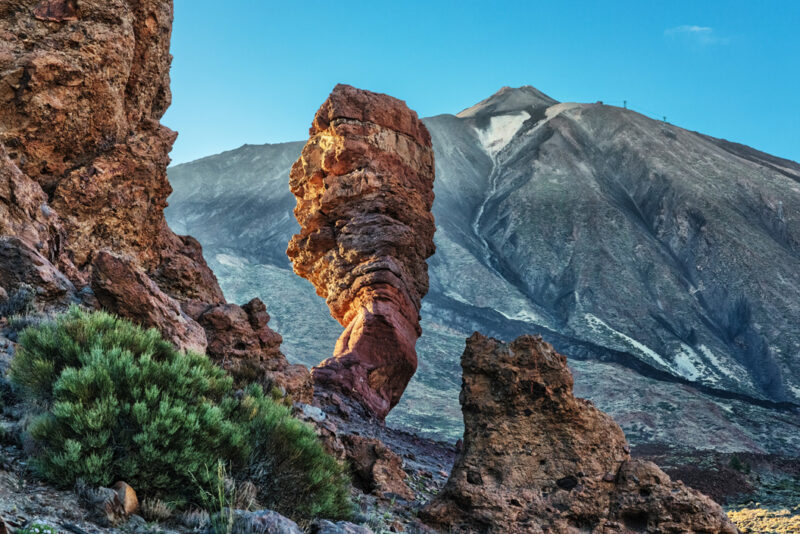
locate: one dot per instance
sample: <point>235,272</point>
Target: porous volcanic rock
<point>375,468</point>
<point>364,188</point>
<point>537,459</point>
<point>241,341</point>
<point>83,182</point>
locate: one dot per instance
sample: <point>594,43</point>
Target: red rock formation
<point>537,459</point>
<point>124,289</point>
<point>83,158</point>
<point>364,188</point>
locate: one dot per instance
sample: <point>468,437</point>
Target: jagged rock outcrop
<point>364,188</point>
<point>241,341</point>
<point>537,459</point>
<point>83,184</point>
<point>124,289</point>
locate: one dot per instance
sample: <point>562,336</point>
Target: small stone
<point>311,412</point>
<point>263,522</point>
<point>323,526</point>
<point>609,477</point>
<point>127,496</point>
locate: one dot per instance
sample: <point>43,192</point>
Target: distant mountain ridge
<point>637,248</point>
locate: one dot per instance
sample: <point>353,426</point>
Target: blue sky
<point>255,71</point>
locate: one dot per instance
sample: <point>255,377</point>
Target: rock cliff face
<point>83,182</point>
<point>537,459</point>
<point>364,188</point>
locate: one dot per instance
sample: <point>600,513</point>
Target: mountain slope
<point>671,256</point>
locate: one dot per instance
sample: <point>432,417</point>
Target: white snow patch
<point>558,109</point>
<point>231,261</point>
<point>727,407</point>
<point>524,315</point>
<point>500,131</point>
<point>685,360</point>
<point>597,324</point>
<point>718,365</point>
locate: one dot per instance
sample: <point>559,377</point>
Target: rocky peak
<point>364,188</point>
<point>537,459</point>
<point>507,101</point>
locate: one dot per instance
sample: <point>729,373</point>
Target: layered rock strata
<point>537,459</point>
<point>364,188</point>
<point>83,184</point>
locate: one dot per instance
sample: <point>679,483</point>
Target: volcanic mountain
<point>664,263</point>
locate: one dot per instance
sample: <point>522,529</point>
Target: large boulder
<point>124,289</point>
<point>375,468</point>
<point>364,188</point>
<point>239,338</point>
<point>537,459</point>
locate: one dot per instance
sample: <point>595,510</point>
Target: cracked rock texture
<point>364,188</point>
<point>83,179</point>
<point>537,459</point>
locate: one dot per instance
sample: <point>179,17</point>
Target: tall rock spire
<point>364,188</point>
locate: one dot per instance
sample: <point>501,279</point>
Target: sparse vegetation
<point>765,521</point>
<point>116,402</point>
<point>218,500</point>
<point>739,465</point>
<point>154,509</point>
<point>19,302</point>
<point>37,528</point>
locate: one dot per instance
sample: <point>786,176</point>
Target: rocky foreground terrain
<point>121,360</point>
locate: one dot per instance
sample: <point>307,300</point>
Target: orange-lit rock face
<point>83,179</point>
<point>364,188</point>
<point>537,459</point>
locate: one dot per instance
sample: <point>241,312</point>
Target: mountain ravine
<point>664,263</point>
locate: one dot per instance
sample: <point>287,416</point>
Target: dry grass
<point>762,520</point>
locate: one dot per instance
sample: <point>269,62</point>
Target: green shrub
<point>120,403</point>
<point>739,465</point>
<point>293,473</point>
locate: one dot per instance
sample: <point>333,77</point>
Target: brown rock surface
<point>22,264</point>
<point>83,183</point>
<point>376,469</point>
<point>124,289</point>
<point>537,459</point>
<point>364,188</point>
<point>239,338</point>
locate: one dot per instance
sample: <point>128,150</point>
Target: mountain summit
<point>509,100</point>
<point>663,262</point>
